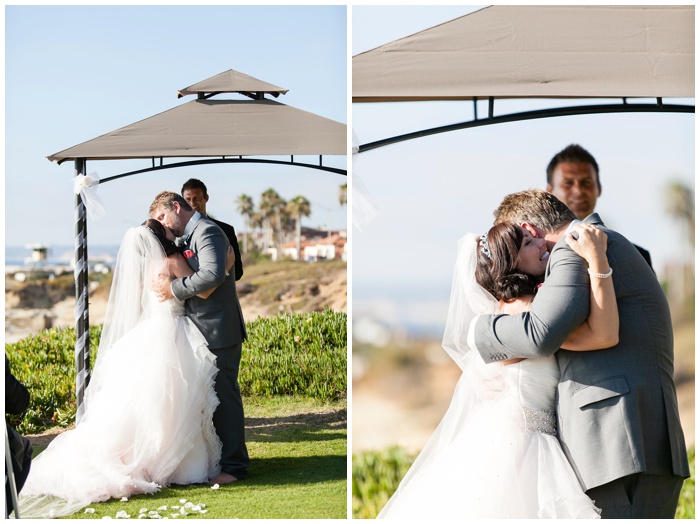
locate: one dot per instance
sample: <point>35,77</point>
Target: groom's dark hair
<point>539,208</point>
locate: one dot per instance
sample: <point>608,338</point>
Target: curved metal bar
<point>225,161</point>
<point>82,321</point>
<point>532,115</point>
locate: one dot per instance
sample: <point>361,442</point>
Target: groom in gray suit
<point>218,317</point>
<point>617,410</point>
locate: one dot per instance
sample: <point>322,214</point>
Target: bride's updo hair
<point>158,230</point>
<point>496,264</point>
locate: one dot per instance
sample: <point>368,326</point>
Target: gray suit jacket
<point>219,316</point>
<point>617,408</point>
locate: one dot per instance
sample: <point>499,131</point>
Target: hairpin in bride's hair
<point>483,242</point>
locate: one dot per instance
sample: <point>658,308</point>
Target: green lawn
<point>298,450</point>
<point>294,383</point>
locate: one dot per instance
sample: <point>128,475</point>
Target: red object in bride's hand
<point>188,253</point>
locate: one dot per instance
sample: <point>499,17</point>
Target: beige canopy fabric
<point>204,128</point>
<point>231,82</point>
<point>537,52</point>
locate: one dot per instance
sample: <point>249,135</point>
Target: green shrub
<point>45,364</point>
<point>285,355</point>
<point>375,477</point>
<point>296,354</point>
<point>686,502</point>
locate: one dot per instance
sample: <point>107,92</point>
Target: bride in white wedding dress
<point>495,453</point>
<point>147,418</point>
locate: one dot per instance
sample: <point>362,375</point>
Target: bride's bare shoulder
<point>178,266</point>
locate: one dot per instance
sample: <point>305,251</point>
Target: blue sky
<point>76,72</point>
<point>430,191</point>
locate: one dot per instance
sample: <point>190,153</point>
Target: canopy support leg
<point>82,323</point>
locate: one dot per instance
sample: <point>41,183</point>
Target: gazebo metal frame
<point>82,316</point>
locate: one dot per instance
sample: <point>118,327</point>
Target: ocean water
<point>59,255</point>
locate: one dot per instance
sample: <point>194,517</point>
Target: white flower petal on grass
<point>89,510</point>
<point>143,510</point>
<point>163,508</point>
<point>123,515</point>
<point>174,507</point>
<point>197,508</point>
<point>182,501</point>
<point>215,486</point>
<point>202,505</point>
<point>124,499</point>
<point>203,511</point>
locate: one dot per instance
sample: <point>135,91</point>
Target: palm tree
<point>298,207</point>
<point>288,224</point>
<point>271,205</point>
<point>246,207</point>
<point>343,195</point>
<point>680,204</point>
<point>256,221</point>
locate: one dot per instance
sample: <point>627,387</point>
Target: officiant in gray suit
<point>617,411</point>
<point>218,317</point>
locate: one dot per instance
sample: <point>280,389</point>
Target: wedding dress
<point>495,453</point>
<point>147,421</point>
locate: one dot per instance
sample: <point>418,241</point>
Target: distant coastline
<point>17,256</point>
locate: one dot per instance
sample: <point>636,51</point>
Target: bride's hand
<point>591,245</point>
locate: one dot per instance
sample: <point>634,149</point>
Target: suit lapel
<point>194,228</point>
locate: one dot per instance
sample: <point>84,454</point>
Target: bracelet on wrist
<point>600,275</point>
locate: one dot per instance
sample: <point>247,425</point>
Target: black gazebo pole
<point>82,323</point>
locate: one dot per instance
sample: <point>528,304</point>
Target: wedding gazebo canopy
<point>206,127</point>
<point>206,131</point>
<point>232,82</point>
<point>216,128</point>
<point>539,51</point>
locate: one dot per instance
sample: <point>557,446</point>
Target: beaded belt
<point>541,420</point>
